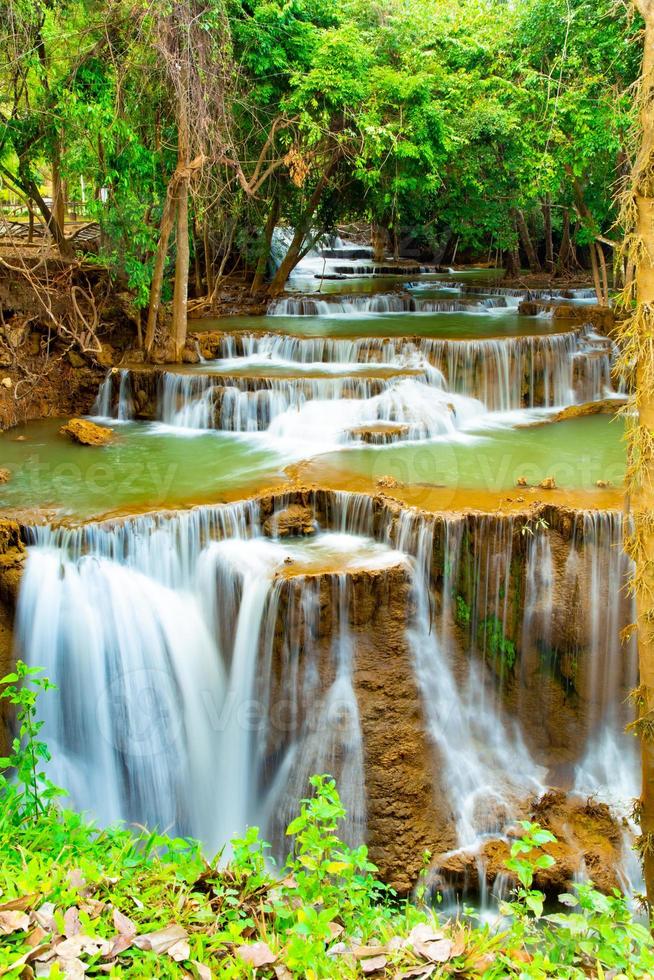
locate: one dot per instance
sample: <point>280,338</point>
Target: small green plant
<point>529,528</point>
<point>527,856</point>
<point>25,789</point>
<point>494,642</point>
<point>463,613</point>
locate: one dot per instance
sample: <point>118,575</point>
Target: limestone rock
<point>294,520</point>
<point>190,356</point>
<point>521,482</point>
<point>381,433</point>
<point>587,834</point>
<point>87,433</point>
<point>606,406</point>
<point>5,476</point>
<point>387,483</point>
<point>549,483</point>
<point>7,383</point>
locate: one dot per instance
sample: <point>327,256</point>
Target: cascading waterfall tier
<point>200,650</point>
<point>377,303</point>
<point>437,386</point>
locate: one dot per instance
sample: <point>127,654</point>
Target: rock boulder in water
<point>587,835</point>
<point>294,520</point>
<point>5,476</point>
<point>87,433</point>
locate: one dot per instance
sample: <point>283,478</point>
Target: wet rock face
<point>87,433</point>
<point>587,834</point>
<point>293,520</point>
<point>406,814</point>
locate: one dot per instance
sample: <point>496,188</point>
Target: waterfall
<point>127,730</point>
<point>471,376</point>
<point>324,729</point>
<point>161,635</point>
<point>487,769</point>
<point>103,406</point>
<point>193,653</point>
<point>376,303</point>
<point>609,768</point>
<point>186,400</point>
<point>505,373</point>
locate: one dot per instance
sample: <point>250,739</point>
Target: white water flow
<point>163,644</point>
<point>379,303</point>
<point>133,660</point>
<point>122,408</point>
<point>609,769</point>
<point>431,388</point>
<point>323,724</point>
<point>486,768</point>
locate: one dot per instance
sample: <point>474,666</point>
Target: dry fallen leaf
<point>44,916</point>
<point>479,964</point>
<point>72,969</point>
<point>335,929</point>
<point>203,972</point>
<point>425,934</point>
<point>180,951</point>
<point>72,924</point>
<point>418,972</point>
<point>119,944</point>
<point>75,878</point>
<point>36,936</point>
<point>440,951</point>
<point>92,907</point>
<point>256,954</point>
<point>13,921</point>
<point>20,904</point>
<point>373,964</point>
<point>338,949</point>
<point>282,972</point>
<point>124,925</point>
<point>362,951</point>
<point>459,944</point>
<point>161,940</point>
<point>27,957</point>
<point>72,948</point>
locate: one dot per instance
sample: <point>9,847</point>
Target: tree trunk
<point>180,292</point>
<point>596,276</point>
<point>527,244</point>
<point>642,544</point>
<point>549,244</point>
<point>604,274</point>
<point>262,263</point>
<point>56,230</point>
<point>182,255</point>
<point>58,202</point>
<point>378,244</point>
<point>208,257</point>
<point>511,263</point>
<point>563,260</point>
<point>294,253</point>
<point>197,271</point>
<point>167,222</point>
